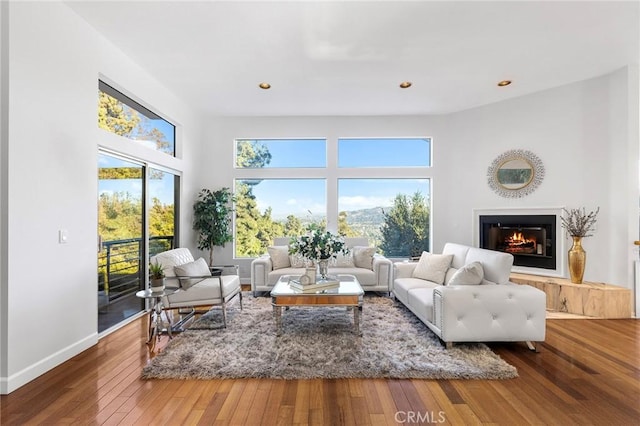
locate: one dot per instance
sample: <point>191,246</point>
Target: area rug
<point>319,343</point>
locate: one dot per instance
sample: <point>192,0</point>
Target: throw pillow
<point>433,267</point>
<point>344,260</point>
<point>470,274</point>
<point>297,261</point>
<point>279,256</point>
<point>363,256</point>
<point>197,268</point>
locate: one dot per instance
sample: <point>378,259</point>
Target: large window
<point>378,188</point>
<point>123,116</point>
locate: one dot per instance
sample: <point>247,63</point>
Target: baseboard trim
<point>19,379</point>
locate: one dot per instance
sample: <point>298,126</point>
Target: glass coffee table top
<point>349,286</point>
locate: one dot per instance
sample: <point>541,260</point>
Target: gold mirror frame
<point>515,173</point>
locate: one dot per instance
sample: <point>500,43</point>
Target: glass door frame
<point>146,166</point>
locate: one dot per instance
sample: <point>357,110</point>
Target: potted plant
<point>156,275</point>
<point>212,219</point>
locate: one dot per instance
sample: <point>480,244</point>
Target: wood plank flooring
<point>587,373</point>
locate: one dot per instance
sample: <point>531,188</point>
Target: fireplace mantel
<point>561,260</point>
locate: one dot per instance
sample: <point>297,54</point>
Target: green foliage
<point>317,243</point>
<point>252,155</point>
<point>212,219</point>
<point>406,227</point>
<point>343,226</point>
<point>161,219</point>
<point>156,270</point>
<point>293,226</point>
<point>120,218</point>
<point>119,118</point>
<point>116,117</point>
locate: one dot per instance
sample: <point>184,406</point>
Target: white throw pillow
<point>344,260</point>
<point>297,261</point>
<point>197,268</point>
<point>433,267</point>
<point>470,274</point>
<point>363,256</point>
<point>279,256</point>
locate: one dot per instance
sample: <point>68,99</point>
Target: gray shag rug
<point>319,343</point>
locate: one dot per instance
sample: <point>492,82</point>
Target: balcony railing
<point>121,265</point>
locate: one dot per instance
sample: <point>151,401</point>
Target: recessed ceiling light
<point>405,84</point>
<point>504,83</point>
<point>264,86</point>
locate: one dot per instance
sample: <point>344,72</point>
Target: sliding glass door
<point>121,232</point>
<point>137,216</point>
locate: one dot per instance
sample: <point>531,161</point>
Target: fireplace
<point>531,239</point>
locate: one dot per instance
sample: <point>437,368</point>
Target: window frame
<point>332,173</point>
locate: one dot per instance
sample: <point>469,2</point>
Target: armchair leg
<point>240,294</point>
<point>224,314</point>
<point>533,346</point>
<point>448,345</point>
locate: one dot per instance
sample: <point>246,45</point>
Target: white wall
<point>51,289</point>
<point>579,131</point>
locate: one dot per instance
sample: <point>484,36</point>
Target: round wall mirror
<point>515,173</point>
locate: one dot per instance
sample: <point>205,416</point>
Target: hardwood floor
<point>588,372</point>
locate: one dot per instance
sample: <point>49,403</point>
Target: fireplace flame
<point>518,243</point>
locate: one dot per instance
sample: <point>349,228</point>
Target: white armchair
<point>197,286</point>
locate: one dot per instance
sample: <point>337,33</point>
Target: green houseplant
<point>156,276</point>
<point>212,219</point>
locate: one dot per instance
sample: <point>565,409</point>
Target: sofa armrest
<point>403,269</point>
<point>260,268</point>
<point>505,312</point>
<point>383,270</point>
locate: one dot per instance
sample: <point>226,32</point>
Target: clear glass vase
<point>323,268</point>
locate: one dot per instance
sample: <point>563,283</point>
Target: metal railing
<point>121,265</point>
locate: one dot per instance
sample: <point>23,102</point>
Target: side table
<point>156,324</point>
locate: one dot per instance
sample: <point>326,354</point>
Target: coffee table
<point>348,294</point>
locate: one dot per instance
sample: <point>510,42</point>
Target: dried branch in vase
<point>578,223</point>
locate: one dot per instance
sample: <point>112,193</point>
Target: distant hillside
<point>364,222</point>
<point>368,216</point>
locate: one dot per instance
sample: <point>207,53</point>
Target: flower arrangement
<point>317,244</point>
<point>578,223</point>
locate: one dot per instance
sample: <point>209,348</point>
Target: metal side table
<point>156,324</point>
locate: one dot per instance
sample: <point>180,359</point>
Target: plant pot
<point>157,285</point>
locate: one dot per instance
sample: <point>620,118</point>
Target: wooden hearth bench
<point>597,300</point>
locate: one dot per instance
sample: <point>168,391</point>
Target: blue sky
<point>301,196</point>
<point>372,152</point>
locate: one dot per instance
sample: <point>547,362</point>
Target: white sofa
<point>376,278</point>
<point>494,310</point>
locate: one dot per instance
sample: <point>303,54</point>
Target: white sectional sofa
<point>461,309</point>
<point>374,277</point>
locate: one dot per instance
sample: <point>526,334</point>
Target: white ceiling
<point>348,58</point>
